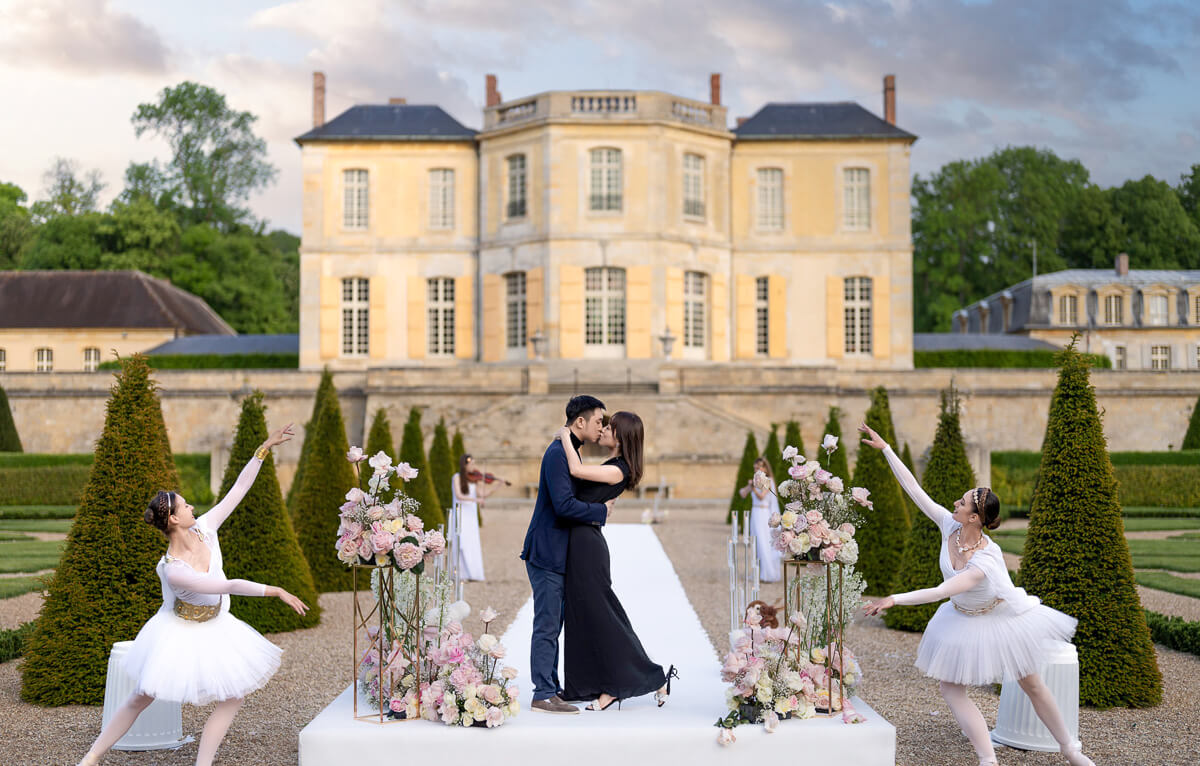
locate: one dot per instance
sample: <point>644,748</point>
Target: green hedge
<point>217,362</point>
<point>12,642</point>
<point>37,511</point>
<point>1146,479</point>
<point>36,479</point>
<point>998,358</point>
<point>1174,632</point>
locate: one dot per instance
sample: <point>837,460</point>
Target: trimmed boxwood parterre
<point>998,358</point>
<point>257,540</point>
<point>1076,557</point>
<point>1174,632</point>
<point>885,528</point>
<point>105,586</point>
<point>218,362</point>
<point>45,479</point>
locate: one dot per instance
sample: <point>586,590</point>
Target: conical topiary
<point>774,455</point>
<point>1190,441</point>
<point>322,490</point>
<point>325,392</point>
<point>10,441</point>
<point>412,451</point>
<point>881,540</point>
<point>1076,557</point>
<point>836,463</point>
<point>379,439</point>
<point>914,512</point>
<point>745,473</point>
<point>457,449</point>
<point>792,438</point>
<point>947,476</point>
<point>105,586</point>
<point>442,465</point>
<point>258,542</point>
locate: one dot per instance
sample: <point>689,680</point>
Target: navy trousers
<point>547,625</point>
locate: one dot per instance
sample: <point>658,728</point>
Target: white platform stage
<point>680,733</point>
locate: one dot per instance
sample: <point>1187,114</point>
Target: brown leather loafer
<point>554,705</point>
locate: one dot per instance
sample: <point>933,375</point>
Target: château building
<point>614,224</point>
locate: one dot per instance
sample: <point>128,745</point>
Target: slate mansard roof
<point>816,121</point>
<point>391,122</point>
<point>102,299</point>
<point>230,344</point>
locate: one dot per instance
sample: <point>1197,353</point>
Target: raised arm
<point>602,474</point>
<point>936,513</point>
<point>219,512</point>
<point>562,494</point>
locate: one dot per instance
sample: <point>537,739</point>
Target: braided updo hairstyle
<point>159,509</point>
<point>987,505</point>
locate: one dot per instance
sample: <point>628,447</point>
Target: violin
<point>486,478</point>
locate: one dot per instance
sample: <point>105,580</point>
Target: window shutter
<point>416,318</point>
<point>881,317</point>
<point>638,343</point>
<point>330,317</point>
<point>570,311</point>
<point>464,317</point>
<point>675,307</point>
<point>744,323</point>
<point>535,312</point>
<point>718,312</point>
<point>835,328</point>
<point>493,317</point>
<point>776,317</point>
<point>377,324</point>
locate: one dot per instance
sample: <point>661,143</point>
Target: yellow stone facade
<point>72,349</point>
<point>681,252</point>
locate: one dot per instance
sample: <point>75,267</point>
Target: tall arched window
<point>605,193</point>
<point>604,306</point>
<point>857,307</point>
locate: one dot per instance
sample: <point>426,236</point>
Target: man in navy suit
<point>545,549</point>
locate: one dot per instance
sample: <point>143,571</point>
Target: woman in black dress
<point>604,659</point>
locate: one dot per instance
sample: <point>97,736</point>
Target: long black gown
<point>602,654</point>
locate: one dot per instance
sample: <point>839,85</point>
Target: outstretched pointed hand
<point>873,439</point>
<point>279,437</point>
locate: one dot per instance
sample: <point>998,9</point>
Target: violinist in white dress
<point>468,496</point>
<point>763,505</point>
<point>193,650</point>
<point>990,629</point>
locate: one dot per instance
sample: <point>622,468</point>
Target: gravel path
<point>317,667</point>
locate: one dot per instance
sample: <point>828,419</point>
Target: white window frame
<point>695,313</point>
<point>1068,310</point>
<point>606,180</point>
<point>517,206</point>
<point>1114,309</point>
<point>44,359</point>
<point>857,298</point>
<point>1196,309</point>
<point>693,186</point>
<point>356,199</point>
<point>91,359</point>
<point>604,311</point>
<point>856,198</point>
<point>356,313</point>
<point>1158,301</point>
<point>769,208</point>
<point>762,316</point>
<point>3,360</point>
<point>439,295</point>
<point>515,320</point>
<point>1120,358</point>
<point>1160,357</point>
<point>441,198</point>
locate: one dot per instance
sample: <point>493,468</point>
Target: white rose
<point>790,452</point>
<point>487,642</point>
<point>829,444</point>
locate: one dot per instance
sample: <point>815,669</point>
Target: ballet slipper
<point>90,760</point>
<point>1075,756</point>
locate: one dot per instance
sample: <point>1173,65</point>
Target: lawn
<point>1146,524</point>
<point>1184,586</point>
<point>37,511</point>
<point>29,555</point>
<point>19,586</point>
<point>61,526</point>
<point>1179,553</point>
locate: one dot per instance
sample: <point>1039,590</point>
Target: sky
<point>1115,84</point>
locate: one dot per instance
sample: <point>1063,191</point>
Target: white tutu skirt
<point>200,662</point>
<point>987,648</point>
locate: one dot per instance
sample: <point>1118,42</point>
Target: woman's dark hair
<point>159,509</point>
<point>462,474</point>
<point>987,505</point>
<point>582,405</point>
<point>628,431</point>
<point>767,463</point>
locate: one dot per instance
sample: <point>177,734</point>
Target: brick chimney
<point>742,121</point>
<point>394,100</point>
<point>493,95</point>
<point>714,89</point>
<point>1123,265</point>
<point>318,99</point>
<point>889,98</point>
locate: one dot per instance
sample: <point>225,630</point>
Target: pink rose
<point>822,476</point>
<point>347,509</point>
<point>774,520</point>
<point>375,513</point>
<point>494,717</point>
<point>813,517</point>
<point>407,555</point>
<point>364,549</point>
<point>415,524</point>
<point>435,542</point>
<point>355,455</point>
<point>835,485</point>
<point>406,472</point>
<point>848,528</point>
<point>347,550</point>
<point>735,662</point>
<point>491,693</point>
<point>397,705</point>
<point>829,553</point>
<point>498,652</point>
<point>381,539</point>
<point>355,495</point>
<point>460,677</point>
<point>454,627</point>
<point>860,495</point>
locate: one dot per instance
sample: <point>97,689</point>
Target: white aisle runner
<point>680,732</point>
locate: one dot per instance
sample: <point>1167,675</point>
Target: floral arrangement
<point>819,516</point>
<point>383,534</point>
<point>470,686</point>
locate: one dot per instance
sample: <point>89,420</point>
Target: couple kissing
<point>566,557</point>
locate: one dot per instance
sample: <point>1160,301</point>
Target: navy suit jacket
<point>555,512</point>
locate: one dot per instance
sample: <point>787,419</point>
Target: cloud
<point>82,37</point>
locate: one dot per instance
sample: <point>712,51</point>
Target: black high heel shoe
<point>661,697</point>
<point>606,707</point>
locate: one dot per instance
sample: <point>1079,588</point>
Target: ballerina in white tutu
<point>990,629</point>
<point>193,650</point>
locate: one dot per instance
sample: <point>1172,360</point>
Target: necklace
<point>964,548</point>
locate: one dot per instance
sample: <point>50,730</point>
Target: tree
<point>441,464</point>
<point>379,439</point>
<point>65,242</point>
<point>745,473</point>
<point>10,440</point>
<point>836,463</point>
<point>16,225</point>
<point>66,194</point>
<point>322,490</point>
<point>412,451</point>
<point>325,392</point>
<point>947,476</point>
<point>258,542</point>
<point>1190,441</point>
<point>1092,232</point>
<point>457,449</point>
<point>1076,557</point>
<point>1189,193</point>
<point>881,540</point>
<point>774,456</point>
<point>138,235</point>
<point>914,512</point>
<point>105,586</point>
<point>216,159</point>
<point>1159,234</point>
<point>793,438</point>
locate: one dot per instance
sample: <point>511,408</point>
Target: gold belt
<point>196,612</point>
<point>974,612</point>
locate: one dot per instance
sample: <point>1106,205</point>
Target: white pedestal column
<point>159,727</point>
<point>1017,725</point>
